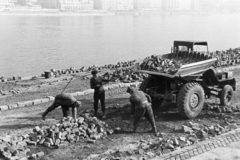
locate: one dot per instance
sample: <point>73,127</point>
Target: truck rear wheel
<point>146,84</point>
<point>226,95</point>
<point>190,100</point>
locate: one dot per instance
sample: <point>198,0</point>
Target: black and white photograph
<point>119,79</point>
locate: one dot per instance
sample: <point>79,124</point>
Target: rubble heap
<point>72,70</point>
<point>223,109</point>
<point>160,64</point>
<point>69,131</point>
<point>124,75</point>
<point>15,148</point>
<point>228,57</point>
<point>59,135</point>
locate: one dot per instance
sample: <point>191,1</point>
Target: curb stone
<point>88,91</point>
<point>51,98</point>
<point>80,93</point>
<point>3,108</point>
<point>12,106</point>
<point>202,147</point>
<point>74,94</point>
<point>21,104</point>
<point>36,101</point>
<point>28,103</point>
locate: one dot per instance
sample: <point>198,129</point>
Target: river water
<point>32,44</point>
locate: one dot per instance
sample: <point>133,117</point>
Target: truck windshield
<point>182,48</point>
<point>200,48</point>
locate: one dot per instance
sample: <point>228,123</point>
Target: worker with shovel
<point>66,101</point>
<point>97,83</point>
<point>141,106</point>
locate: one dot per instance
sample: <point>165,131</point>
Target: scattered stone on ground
<point>60,135</point>
<point>223,109</point>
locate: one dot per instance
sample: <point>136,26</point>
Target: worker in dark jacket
<point>141,106</point>
<point>66,101</point>
<point>96,83</point>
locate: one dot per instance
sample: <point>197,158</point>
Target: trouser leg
<point>138,114</point>
<point>150,117</point>
<point>96,99</point>
<point>65,111</point>
<point>102,100</point>
<point>51,108</point>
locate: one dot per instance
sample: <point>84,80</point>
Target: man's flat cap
<point>94,72</point>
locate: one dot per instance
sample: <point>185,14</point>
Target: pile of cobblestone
<point>70,130</point>
<point>72,70</point>
<point>59,135</point>
<point>228,57</point>
<point>125,75</point>
<point>12,91</point>
<point>16,148</point>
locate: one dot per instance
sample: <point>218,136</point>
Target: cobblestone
<point>187,156</point>
<point>182,157</point>
<point>173,158</point>
<point>210,144</point>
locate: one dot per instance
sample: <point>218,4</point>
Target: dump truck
<point>198,77</point>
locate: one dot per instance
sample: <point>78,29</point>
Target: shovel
<point>67,84</point>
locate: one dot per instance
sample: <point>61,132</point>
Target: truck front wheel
<point>226,95</point>
<point>190,100</point>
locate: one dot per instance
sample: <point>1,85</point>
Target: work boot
<point>103,115</point>
<point>95,113</point>
<point>154,130</point>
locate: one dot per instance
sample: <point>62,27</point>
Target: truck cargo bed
<point>185,70</point>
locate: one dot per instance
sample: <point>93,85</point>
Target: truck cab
<point>198,46</point>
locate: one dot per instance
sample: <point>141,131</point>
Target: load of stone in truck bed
<point>160,64</point>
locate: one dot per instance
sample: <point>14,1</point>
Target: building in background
<point>184,5</point>
<point>49,4</point>
<point>76,5</point>
<point>155,4</point>
<point>230,5</point>
<point>195,5</point>
<point>119,5</point>
<point>136,5</point>
<point>6,4</point>
<point>25,2</point>
<point>113,4</point>
<point>170,4</point>
<point>100,4</point>
<point>147,4</point>
<point>167,5</point>
<point>21,2</point>
<point>124,4</point>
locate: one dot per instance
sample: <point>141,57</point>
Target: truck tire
<point>226,95</point>
<point>144,85</point>
<point>190,100</point>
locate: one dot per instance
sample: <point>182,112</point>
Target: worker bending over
<point>141,106</point>
<point>66,101</point>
